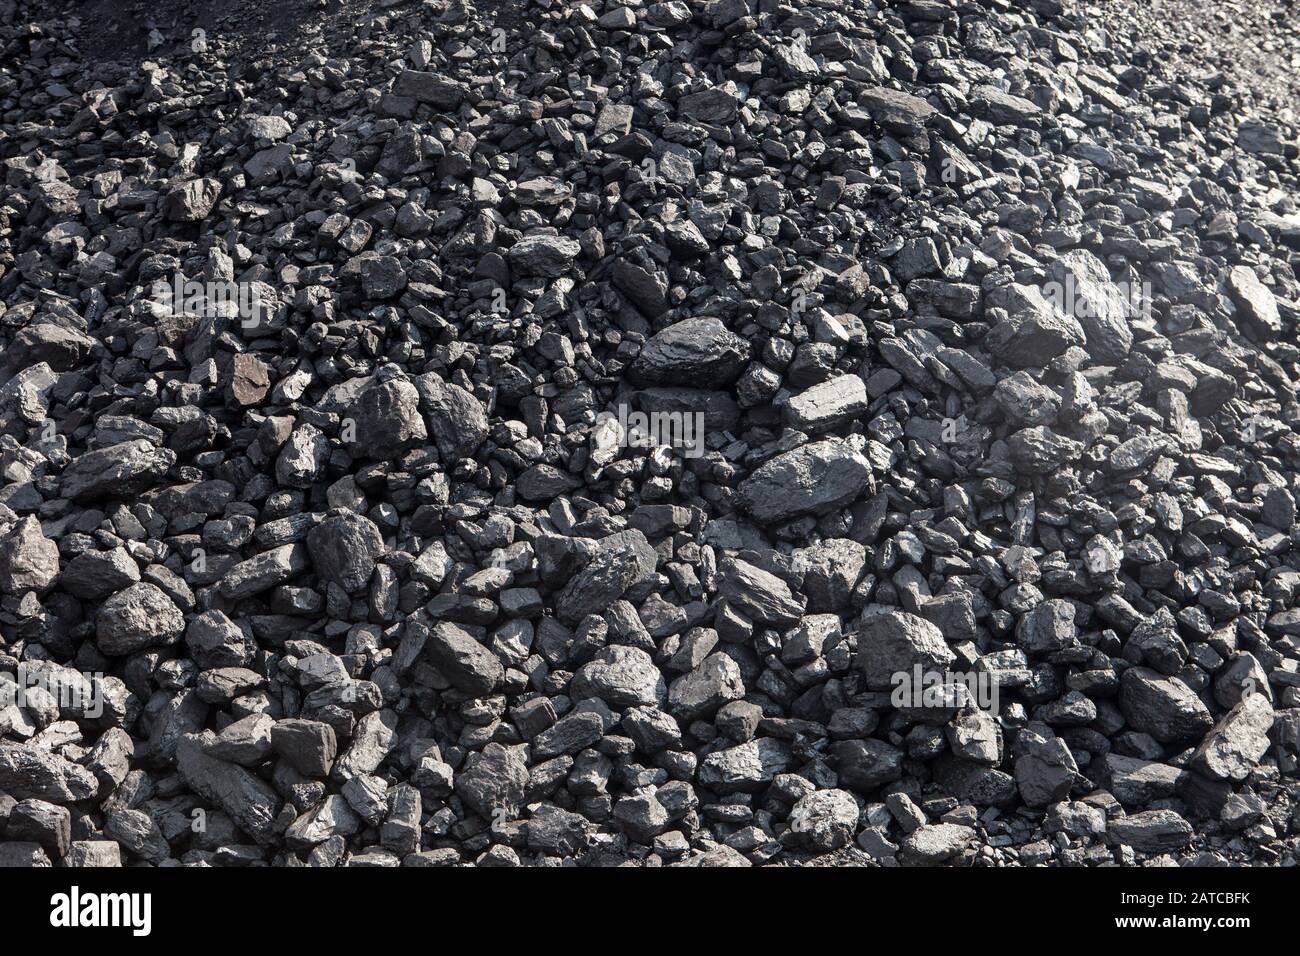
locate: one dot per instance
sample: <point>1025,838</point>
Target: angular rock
<point>825,820</point>
<point>622,677</point>
<point>29,561</point>
<point>250,803</point>
<point>1235,744</point>
<point>745,768</point>
<point>117,471</point>
<point>343,549</point>
<point>137,617</point>
<point>192,200</point>
<point>702,353</point>
<point>493,785</point>
<point>1034,331</point>
<point>700,693</point>
<point>1152,831</point>
<point>812,479</point>
<point>1255,302</point>
<point>891,643</point>
<point>1164,707</point>
<point>471,667</point>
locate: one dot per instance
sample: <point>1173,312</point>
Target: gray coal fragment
<point>387,421</point>
<point>250,803</point>
<point>343,549</point>
<point>94,575</point>
<point>465,662</point>
<point>493,784</point>
<point>621,676</point>
<point>29,561</point>
<point>1257,304</point>
<point>1034,331</point>
<point>548,256</point>
<point>1086,292</point>
<point>1045,770</point>
<point>700,353</point>
<point>309,746</point>
<point>136,617</point>
<point>892,643</point>
<point>747,767</point>
<point>27,773</point>
<point>830,403</point>
<point>1164,707</point>
<point>758,594</point>
<point>715,682</point>
<point>456,417</point>
<point>812,479</point>
<point>604,580</point>
<point>1152,831</point>
<point>825,820</point>
<point>1233,746</point>
<point>192,200</point>
<point>119,470</point>
<point>866,765</point>
<point>934,844</point>
<point>264,571</point>
<point>375,736</point>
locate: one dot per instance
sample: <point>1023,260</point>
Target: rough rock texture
<point>712,434</point>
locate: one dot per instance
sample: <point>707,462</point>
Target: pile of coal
<point>665,433</point>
